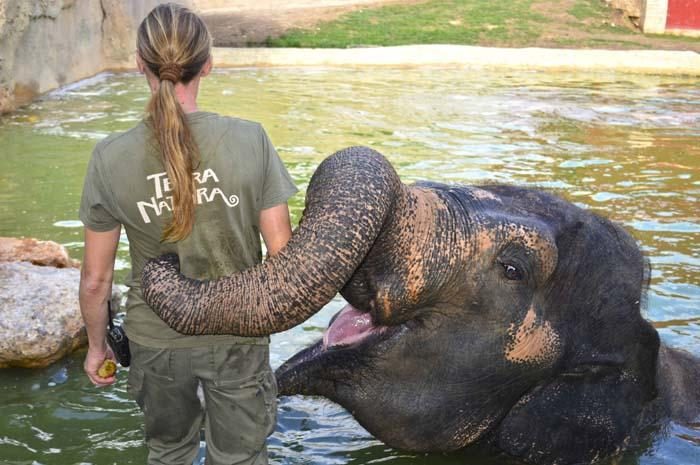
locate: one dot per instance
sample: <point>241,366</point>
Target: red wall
<point>683,14</point>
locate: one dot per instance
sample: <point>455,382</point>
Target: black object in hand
<point>117,340</point>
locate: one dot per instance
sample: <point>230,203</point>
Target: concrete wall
<point>654,16</point>
<point>47,43</point>
<point>683,15</point>
<point>680,17</point>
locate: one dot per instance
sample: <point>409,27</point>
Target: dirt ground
<point>245,23</point>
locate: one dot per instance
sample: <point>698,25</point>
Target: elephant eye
<point>511,272</point>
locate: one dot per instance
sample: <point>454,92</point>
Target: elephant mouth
<point>350,333</point>
<point>351,327</point>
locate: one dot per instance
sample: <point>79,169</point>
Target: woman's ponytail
<point>174,44</point>
<point>179,153</point>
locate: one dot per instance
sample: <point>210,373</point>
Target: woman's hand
<point>94,360</point>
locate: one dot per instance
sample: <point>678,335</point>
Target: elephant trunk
<point>348,200</point>
<point>411,264</point>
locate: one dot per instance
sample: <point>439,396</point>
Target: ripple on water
<point>606,196</point>
<point>673,227</point>
<point>68,224</point>
<point>79,87</point>
<point>582,163</point>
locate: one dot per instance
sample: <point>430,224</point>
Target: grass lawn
<point>511,23</point>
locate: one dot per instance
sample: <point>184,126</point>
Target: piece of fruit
<point>107,369</point>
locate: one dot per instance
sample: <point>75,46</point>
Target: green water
<point>625,146</point>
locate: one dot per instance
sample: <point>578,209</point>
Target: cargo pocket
<point>269,386</point>
<point>242,413</point>
<point>134,385</point>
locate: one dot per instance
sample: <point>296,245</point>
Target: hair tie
<point>170,72</point>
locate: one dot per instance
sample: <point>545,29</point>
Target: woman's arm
<point>96,275</point>
<point>275,227</point>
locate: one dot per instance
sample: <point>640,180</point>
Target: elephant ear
<point>587,412</point>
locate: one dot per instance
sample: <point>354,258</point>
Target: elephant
<point>495,315</point>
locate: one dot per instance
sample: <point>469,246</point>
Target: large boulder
<point>40,318</point>
<point>43,253</point>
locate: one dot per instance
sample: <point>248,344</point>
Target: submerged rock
<point>44,253</point>
<point>40,318</point>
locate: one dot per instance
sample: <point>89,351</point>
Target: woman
<point>205,187</point>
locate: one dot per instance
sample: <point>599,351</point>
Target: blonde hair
<point>174,44</point>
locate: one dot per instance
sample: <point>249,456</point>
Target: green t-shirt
<point>239,175</point>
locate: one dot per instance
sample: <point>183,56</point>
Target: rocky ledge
<point>40,320</point>
<point>42,253</point>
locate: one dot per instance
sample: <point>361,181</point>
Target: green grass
<point>513,23</point>
<point>445,22</point>
<point>587,9</point>
<point>680,39</point>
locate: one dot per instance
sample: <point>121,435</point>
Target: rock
<point>40,320</point>
<point>629,9</point>
<point>43,253</point>
<point>49,43</point>
<point>632,8</point>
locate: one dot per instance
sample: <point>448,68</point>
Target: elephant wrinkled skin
<point>492,315</point>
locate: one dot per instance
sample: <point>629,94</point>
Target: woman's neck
<point>187,100</point>
<point>187,95</point>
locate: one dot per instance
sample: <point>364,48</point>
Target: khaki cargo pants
<point>240,407</point>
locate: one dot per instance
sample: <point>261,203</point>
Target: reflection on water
<point>626,147</point>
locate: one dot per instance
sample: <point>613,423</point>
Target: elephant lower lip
<point>350,327</point>
<point>350,332</point>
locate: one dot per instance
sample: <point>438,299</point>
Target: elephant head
<point>496,315</point>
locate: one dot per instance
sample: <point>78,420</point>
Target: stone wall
<point>48,43</point>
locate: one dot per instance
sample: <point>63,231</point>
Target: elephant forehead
<point>420,222</point>
<point>532,342</point>
<point>482,241</point>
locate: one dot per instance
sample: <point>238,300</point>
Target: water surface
<point>627,147</point>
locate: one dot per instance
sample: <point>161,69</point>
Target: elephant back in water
<point>491,315</point>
